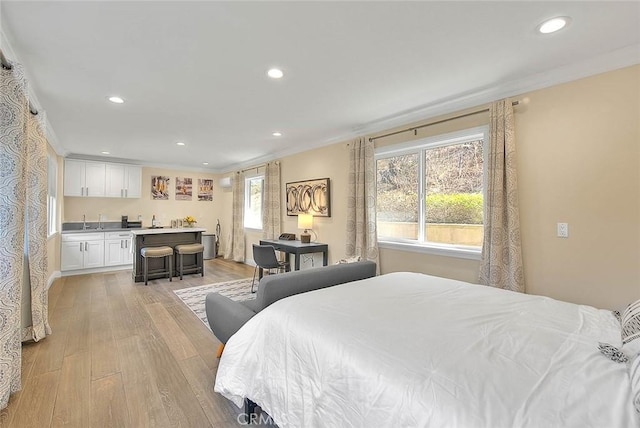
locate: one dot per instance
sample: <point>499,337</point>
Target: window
<point>430,193</point>
<point>52,195</point>
<point>253,189</point>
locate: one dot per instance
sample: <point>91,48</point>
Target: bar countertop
<point>160,230</point>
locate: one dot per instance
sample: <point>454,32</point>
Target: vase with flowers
<point>190,221</point>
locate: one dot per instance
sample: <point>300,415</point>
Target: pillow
<point>613,353</point>
<point>631,329</point>
<point>618,316</point>
<point>634,375</point>
<point>349,260</point>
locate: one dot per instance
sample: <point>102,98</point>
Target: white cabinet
<point>94,254</point>
<point>123,181</point>
<point>133,181</point>
<point>114,181</point>
<point>72,255</point>
<point>84,178</point>
<point>99,179</point>
<point>82,251</point>
<point>118,249</point>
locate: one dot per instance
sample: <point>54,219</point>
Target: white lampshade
<point>305,221</point>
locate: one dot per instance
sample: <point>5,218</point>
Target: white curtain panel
<point>235,245</point>
<point>501,264</point>
<point>362,239</point>
<point>14,112</point>
<point>271,202</point>
<point>37,326</point>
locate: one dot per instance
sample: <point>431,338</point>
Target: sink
<point>92,226</point>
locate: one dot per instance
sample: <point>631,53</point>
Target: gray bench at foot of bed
<point>227,316</point>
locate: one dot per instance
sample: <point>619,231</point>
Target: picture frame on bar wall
<point>205,189</point>
<point>160,187</point>
<point>184,188</point>
<point>309,197</point>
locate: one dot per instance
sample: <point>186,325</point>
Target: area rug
<point>194,297</point>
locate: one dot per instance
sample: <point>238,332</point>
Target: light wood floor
<point>123,355</point>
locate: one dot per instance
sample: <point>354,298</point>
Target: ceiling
<point>195,72</point>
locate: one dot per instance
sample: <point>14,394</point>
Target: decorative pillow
<point>613,353</point>
<point>349,260</point>
<point>618,316</point>
<point>634,375</point>
<point>631,329</point>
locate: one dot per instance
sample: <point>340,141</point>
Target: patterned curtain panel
<point>235,243</point>
<point>14,112</point>
<point>271,203</point>
<point>501,264</point>
<point>362,238</point>
<point>36,221</point>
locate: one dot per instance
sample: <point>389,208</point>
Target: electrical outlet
<point>563,230</point>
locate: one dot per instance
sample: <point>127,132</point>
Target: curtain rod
<point>415,128</point>
<point>253,167</point>
<point>257,166</point>
<point>7,66</point>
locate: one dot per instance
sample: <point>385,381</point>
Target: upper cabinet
<point>99,179</point>
<point>84,178</point>
<point>123,181</point>
<point>133,181</point>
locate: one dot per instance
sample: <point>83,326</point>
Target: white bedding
<point>412,350</point>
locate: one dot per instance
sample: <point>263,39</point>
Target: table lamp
<point>305,221</point>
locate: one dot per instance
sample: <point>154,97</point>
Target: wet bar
<point>158,238</point>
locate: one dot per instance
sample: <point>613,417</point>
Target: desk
<point>296,248</point>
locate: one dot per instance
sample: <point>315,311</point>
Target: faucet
<point>84,222</point>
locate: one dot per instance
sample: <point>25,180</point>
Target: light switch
<point>563,230</point>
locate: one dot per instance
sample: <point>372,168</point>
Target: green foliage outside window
<point>456,208</point>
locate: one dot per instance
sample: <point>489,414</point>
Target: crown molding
<point>621,58</point>
<point>185,168</point>
<point>614,60</point>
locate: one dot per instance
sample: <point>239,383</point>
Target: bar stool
<point>198,250</point>
<point>156,252</point>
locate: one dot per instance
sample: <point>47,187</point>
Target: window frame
<point>52,195</point>
<point>247,200</point>
<point>419,147</point>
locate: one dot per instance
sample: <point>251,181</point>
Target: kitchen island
<point>158,237</point>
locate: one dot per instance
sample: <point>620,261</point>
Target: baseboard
<point>54,275</point>
<point>96,270</point>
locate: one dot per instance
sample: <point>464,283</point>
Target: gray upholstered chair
<point>265,258</point>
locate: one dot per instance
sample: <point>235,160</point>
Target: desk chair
<point>265,258</point>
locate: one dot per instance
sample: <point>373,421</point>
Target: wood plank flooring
<point>123,355</point>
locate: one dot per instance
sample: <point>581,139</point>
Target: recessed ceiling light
<point>275,73</point>
<point>106,153</point>
<point>116,100</point>
<point>554,24</point>
<point>277,134</point>
<point>180,143</point>
<point>205,163</point>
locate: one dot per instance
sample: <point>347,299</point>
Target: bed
<point>413,350</point>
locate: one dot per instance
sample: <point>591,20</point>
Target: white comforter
<point>412,350</point>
